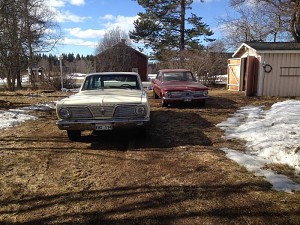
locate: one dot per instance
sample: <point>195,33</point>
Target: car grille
<point>180,94</point>
<point>125,111</point>
<point>103,111</point>
<point>80,112</point>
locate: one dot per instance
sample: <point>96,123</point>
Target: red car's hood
<point>183,85</point>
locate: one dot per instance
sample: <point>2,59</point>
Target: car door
<point>157,84</point>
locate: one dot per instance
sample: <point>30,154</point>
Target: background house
<point>265,69</point>
<point>124,58</point>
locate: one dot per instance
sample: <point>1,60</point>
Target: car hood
<point>105,97</point>
<point>183,85</point>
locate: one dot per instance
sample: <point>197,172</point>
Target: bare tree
<point>37,21</point>
<point>289,12</point>
<point>283,16</point>
<point>206,64</point>
<point>5,38</point>
<point>23,32</point>
<point>111,38</point>
<point>254,21</point>
<point>217,46</point>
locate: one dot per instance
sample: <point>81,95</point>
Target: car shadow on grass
<point>167,129</point>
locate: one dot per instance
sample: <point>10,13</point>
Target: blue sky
<point>84,22</point>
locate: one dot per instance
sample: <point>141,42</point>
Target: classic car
<point>178,85</point>
<point>105,101</point>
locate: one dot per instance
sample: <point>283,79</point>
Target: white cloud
<point>78,42</point>
<point>89,33</point>
<point>67,16</point>
<point>62,3</point>
<point>206,1</point>
<point>56,3</point>
<point>107,21</point>
<point>107,17</point>
<point>124,22</point>
<point>77,2</point>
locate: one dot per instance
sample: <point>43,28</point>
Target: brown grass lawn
<point>177,175</point>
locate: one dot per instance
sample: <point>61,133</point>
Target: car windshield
<point>111,81</point>
<point>178,76</point>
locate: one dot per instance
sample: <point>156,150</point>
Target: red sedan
<point>178,85</point>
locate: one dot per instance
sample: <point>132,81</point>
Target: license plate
<point>103,127</point>
<point>187,100</point>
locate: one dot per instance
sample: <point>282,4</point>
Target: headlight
<point>205,93</point>
<point>64,113</point>
<point>140,110</point>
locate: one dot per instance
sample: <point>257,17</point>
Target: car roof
<point>173,70</point>
<point>113,73</point>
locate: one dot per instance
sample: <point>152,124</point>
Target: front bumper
<point>91,124</point>
<point>185,99</point>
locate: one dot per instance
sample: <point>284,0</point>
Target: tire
<point>74,135</point>
<point>142,132</point>
<point>163,103</point>
<point>201,103</point>
<point>155,96</point>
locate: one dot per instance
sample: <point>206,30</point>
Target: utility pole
<point>61,74</point>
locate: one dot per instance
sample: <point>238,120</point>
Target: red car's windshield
<point>178,76</point>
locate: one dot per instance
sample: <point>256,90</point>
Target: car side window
<point>159,77</point>
<point>189,77</point>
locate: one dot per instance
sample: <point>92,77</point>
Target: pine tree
<point>165,25</point>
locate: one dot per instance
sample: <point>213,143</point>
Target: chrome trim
<point>104,111</point>
<point>90,124</point>
<point>183,98</point>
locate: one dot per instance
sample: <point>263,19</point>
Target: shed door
<point>251,76</point>
<point>233,71</point>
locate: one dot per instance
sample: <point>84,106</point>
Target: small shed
<point>266,69</point>
<point>122,58</point>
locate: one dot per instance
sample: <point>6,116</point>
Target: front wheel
<point>201,103</point>
<point>163,103</point>
<point>74,135</point>
<point>142,132</point>
<point>154,94</point>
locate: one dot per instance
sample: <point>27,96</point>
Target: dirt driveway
<point>177,175</point>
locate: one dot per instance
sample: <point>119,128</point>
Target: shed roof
<point>270,47</point>
<point>274,45</point>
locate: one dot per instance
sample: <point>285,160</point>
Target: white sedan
<point>105,101</point>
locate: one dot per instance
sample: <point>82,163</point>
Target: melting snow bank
<point>255,164</point>
<point>14,117</point>
<point>272,136</point>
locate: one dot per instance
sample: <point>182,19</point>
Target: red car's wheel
<point>201,103</point>
<point>155,95</point>
<point>163,103</point>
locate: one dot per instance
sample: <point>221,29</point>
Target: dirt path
<point>177,175</point>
